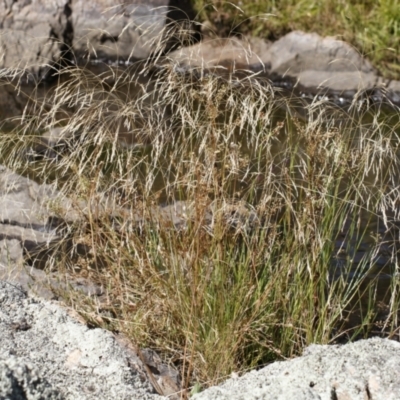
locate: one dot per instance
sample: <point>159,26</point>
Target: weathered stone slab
<point>333,55</point>
<point>34,35</point>
<point>14,269</point>
<point>25,203</point>
<point>367,369</point>
<point>231,54</point>
<point>32,214</point>
<point>38,36</point>
<point>51,144</point>
<point>307,61</point>
<point>118,30</point>
<point>47,354</point>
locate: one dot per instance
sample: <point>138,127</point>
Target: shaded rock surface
<point>19,380</point>
<point>52,143</point>
<point>117,30</point>
<point>34,35</point>
<point>28,211</point>
<point>368,369</point>
<point>29,229</point>
<point>46,285</point>
<point>37,35</point>
<point>44,353</point>
<point>305,61</point>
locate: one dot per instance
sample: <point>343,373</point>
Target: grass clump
<point>271,232</point>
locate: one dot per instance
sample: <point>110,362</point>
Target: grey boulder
<point>34,35</point>
<point>306,61</point>
<point>368,369</point>
<point>39,36</point>
<point>19,380</point>
<point>28,211</point>
<point>47,354</point>
<point>30,219</point>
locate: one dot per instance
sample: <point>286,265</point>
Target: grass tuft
<point>273,232</point>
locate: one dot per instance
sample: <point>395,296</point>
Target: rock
<point>19,380</point>
<point>28,211</point>
<point>106,30</point>
<point>34,35</point>
<point>14,270</point>
<point>52,143</point>
<point>46,354</point>
<point>167,377</point>
<point>40,36</point>
<point>25,203</point>
<point>46,285</point>
<point>231,54</point>
<point>393,91</point>
<point>11,253</point>
<point>28,226</point>
<point>39,217</point>
<point>313,52</point>
<point>32,219</point>
<point>367,369</point>
<point>305,61</point>
<point>127,31</point>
